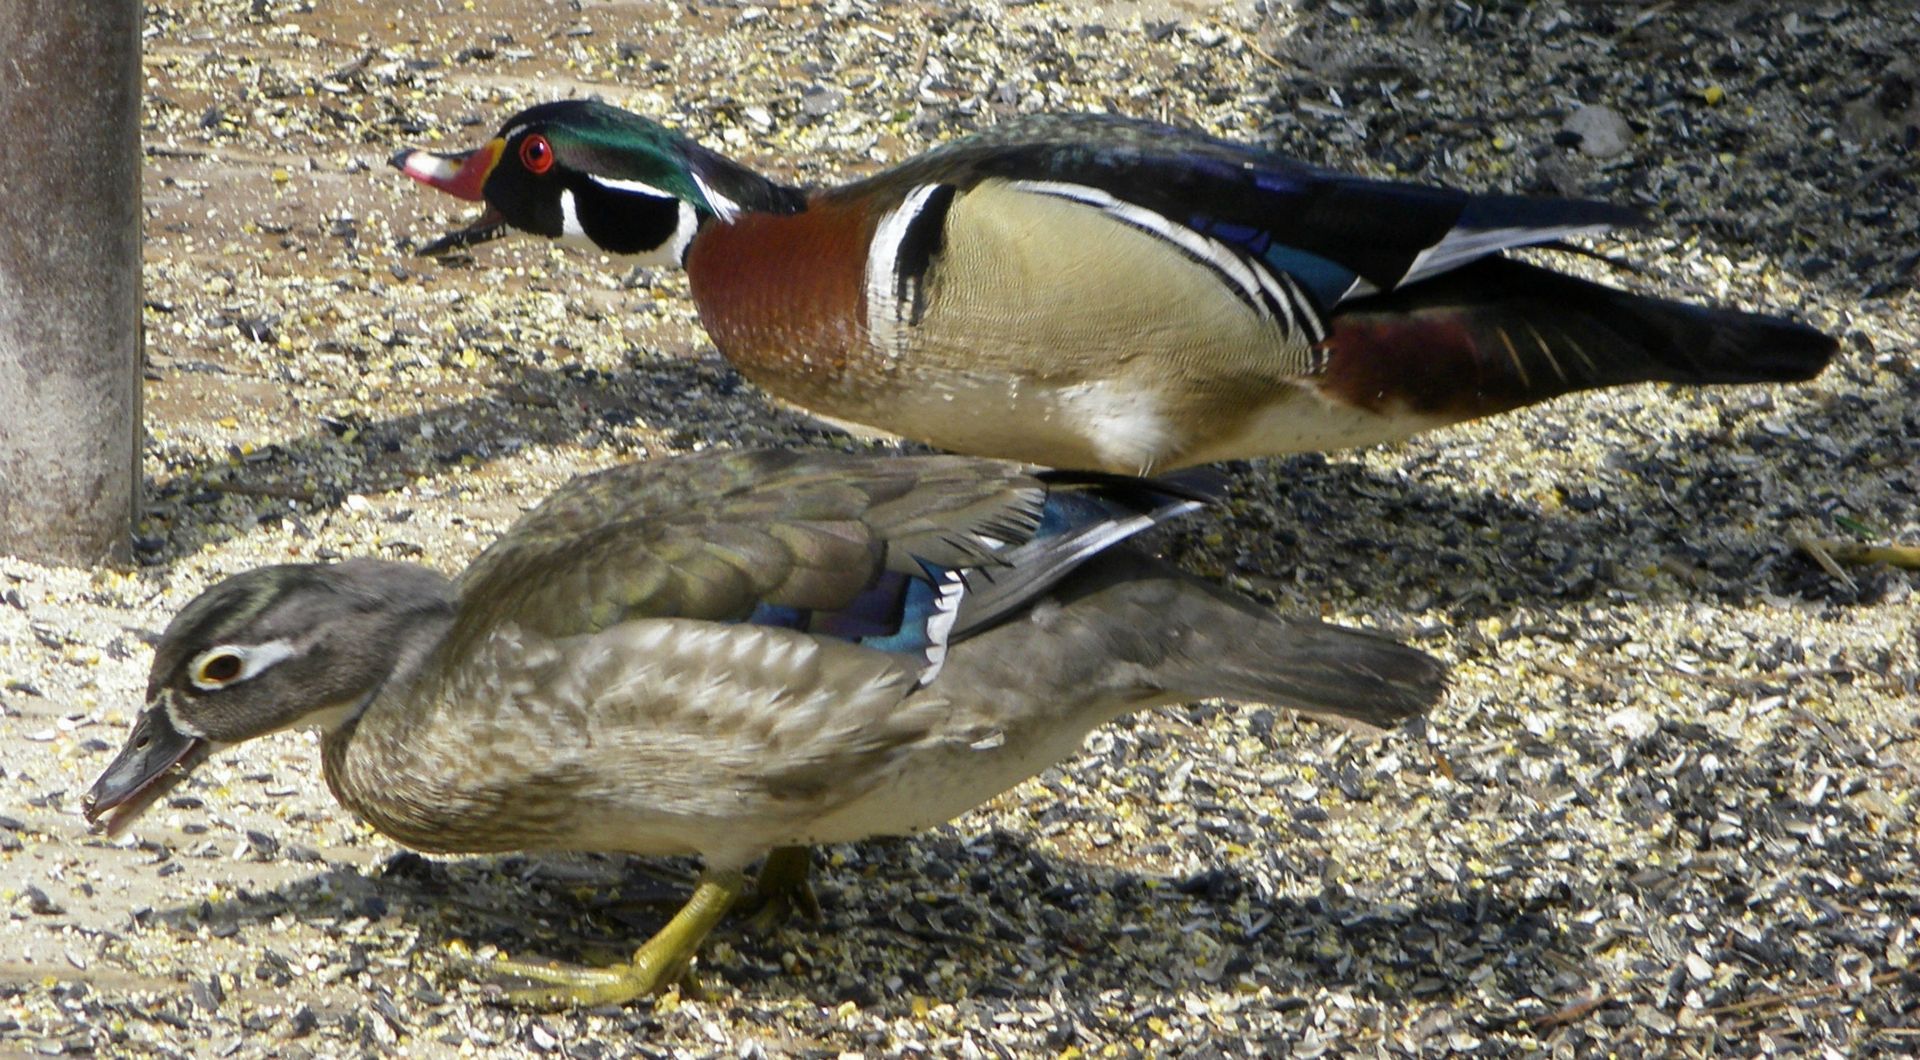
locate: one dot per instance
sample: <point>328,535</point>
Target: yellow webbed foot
<point>657,965</point>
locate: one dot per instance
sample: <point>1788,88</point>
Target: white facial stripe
<point>637,186</point>
<point>167,701</point>
<point>570,229</point>
<point>259,658</point>
<point>684,230</point>
<point>886,317</point>
<point>723,208</point>
<point>672,252</point>
<point>1258,286</point>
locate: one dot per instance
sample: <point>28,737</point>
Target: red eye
<point>536,154</point>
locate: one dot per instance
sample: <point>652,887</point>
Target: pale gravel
<point>1666,809</point>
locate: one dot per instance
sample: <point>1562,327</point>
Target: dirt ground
<point>1667,808</point>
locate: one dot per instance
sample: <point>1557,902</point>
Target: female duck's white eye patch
<point>232,663</point>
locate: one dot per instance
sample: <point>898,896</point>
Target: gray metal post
<point>69,278</point>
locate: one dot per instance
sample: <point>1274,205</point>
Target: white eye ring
<point>253,659</point>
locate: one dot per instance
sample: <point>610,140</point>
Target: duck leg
<point>782,890</point>
<point>658,964</point>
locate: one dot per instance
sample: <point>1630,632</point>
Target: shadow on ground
<point>1408,540</point>
<point>1006,920</point>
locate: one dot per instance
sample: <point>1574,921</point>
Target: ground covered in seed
<point>1667,808</point>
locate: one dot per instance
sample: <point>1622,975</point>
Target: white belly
<point>934,787</point>
<point>1304,423</point>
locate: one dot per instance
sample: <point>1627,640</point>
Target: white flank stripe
<point>886,323</point>
<point>1303,302</point>
<point>1279,298</point>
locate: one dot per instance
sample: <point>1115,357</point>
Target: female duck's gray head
<point>270,649</point>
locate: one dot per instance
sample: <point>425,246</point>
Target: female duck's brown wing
<point>878,552</point>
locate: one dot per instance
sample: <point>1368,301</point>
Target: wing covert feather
<point>713,536</point>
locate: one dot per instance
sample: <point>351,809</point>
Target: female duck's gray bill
<point>157,757</point>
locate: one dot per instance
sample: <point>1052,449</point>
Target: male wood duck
<point>727,655</point>
<point>1095,292</point>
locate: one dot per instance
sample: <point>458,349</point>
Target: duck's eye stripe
<point>636,186</point>
<point>229,663</point>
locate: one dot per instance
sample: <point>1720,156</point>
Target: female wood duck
<point>727,655</point>
<point>1089,291</point>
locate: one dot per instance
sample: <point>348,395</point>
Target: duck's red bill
<point>464,176</point>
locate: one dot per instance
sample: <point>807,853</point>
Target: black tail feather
<point>1499,334</point>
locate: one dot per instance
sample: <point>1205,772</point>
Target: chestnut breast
<point>781,295</point>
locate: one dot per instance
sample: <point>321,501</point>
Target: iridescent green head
<point>589,173</point>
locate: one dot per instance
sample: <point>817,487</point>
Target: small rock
<point>1632,722</point>
<point>1561,174</point>
<point>40,905</point>
<point>300,1024</point>
<point>1602,131</point>
<point>820,102</point>
<point>1207,36</point>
